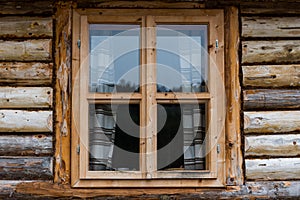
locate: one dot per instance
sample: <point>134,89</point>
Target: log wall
<point>26,90</point>
<point>271,99</point>
<point>35,71</point>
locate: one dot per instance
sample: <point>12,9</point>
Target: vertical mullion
<point>150,98</point>
<point>143,112</point>
<point>83,71</point>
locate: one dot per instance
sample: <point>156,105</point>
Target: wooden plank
<point>271,76</point>
<point>75,139</point>
<point>26,145</point>
<point>233,153</point>
<point>26,7</point>
<point>63,90</point>
<point>28,50</point>
<point>26,168</point>
<point>281,51</point>
<point>25,121</point>
<point>252,189</point>
<point>272,145</point>
<point>25,27</point>
<point>29,73</point>
<point>138,4</point>
<point>256,26</point>
<point>149,100</point>
<point>271,99</point>
<point>273,169</point>
<point>271,121</point>
<point>26,97</point>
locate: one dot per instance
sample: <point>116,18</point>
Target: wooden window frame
<point>215,175</point>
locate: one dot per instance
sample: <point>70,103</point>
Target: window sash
<point>148,161</point>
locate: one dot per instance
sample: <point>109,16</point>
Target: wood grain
<point>26,168</point>
<point>280,51</point>
<point>25,27</point>
<point>256,26</point>
<point>272,145</point>
<point>270,11</point>
<point>26,145</point>
<point>138,4</point>
<point>268,99</point>
<point>272,169</point>
<point>271,76</point>
<point>29,73</point>
<point>272,122</point>
<point>26,7</point>
<point>26,97</point>
<point>28,50</point>
<point>25,121</point>
<point>251,189</point>
<point>233,153</point>
<point>63,90</point>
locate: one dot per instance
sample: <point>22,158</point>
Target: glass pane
<point>114,137</point>
<point>182,55</point>
<point>114,58</point>
<point>181,134</point>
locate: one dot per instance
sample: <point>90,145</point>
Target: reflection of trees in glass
<point>195,87</point>
<point>124,86</point>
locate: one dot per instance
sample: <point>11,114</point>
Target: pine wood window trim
<point>214,176</point>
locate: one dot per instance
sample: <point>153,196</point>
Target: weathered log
<point>138,4</point>
<point>26,7</point>
<point>271,99</point>
<point>25,27</point>
<point>271,51</point>
<point>273,189</point>
<point>291,9</point>
<point>28,50</point>
<point>63,51</point>
<point>26,168</point>
<point>271,122</point>
<point>251,189</point>
<point>273,169</point>
<point>27,145</point>
<point>234,158</point>
<point>256,26</point>
<point>25,121</point>
<point>272,145</point>
<point>271,76</point>
<point>25,97</point>
<point>31,73</point>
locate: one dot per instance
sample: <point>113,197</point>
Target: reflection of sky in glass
<point>114,57</point>
<point>181,58</point>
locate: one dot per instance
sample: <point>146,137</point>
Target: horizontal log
<point>273,189</point>
<point>26,97</point>
<point>26,7</point>
<point>249,190</point>
<point>271,76</point>
<point>138,4</point>
<point>26,168</point>
<point>270,11</point>
<point>271,99</point>
<point>25,121</point>
<point>271,51</point>
<point>256,26</point>
<point>272,122</point>
<point>26,145</point>
<point>25,27</point>
<point>272,145</point>
<point>28,50</point>
<point>273,169</point>
<point>31,73</point>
